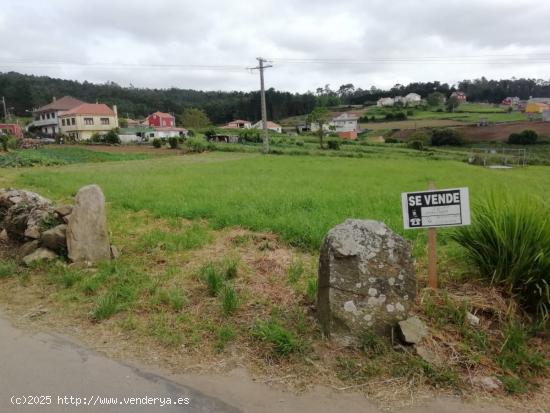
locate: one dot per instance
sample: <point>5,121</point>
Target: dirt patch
<point>499,132</point>
<point>124,149</point>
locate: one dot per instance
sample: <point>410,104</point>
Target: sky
<point>209,44</point>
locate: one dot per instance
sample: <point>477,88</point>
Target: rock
<point>428,356</point>
<point>472,319</point>
<point>63,211</point>
<point>412,330</point>
<point>87,237</point>
<point>4,239</point>
<point>488,383</point>
<point>55,238</point>
<point>41,254</point>
<point>66,219</point>
<point>23,214</point>
<point>32,232</point>
<point>366,279</point>
<point>114,252</point>
<point>29,247</point>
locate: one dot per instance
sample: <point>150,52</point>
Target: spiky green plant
<point>509,241</point>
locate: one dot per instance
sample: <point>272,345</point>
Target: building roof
<point>169,129</point>
<point>161,114</point>
<point>539,100</point>
<point>270,124</point>
<point>345,116</point>
<point>64,103</point>
<point>94,109</point>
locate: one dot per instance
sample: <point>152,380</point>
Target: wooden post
<point>432,253</point>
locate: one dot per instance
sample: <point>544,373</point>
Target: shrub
<point>446,137</point>
<point>527,137</point>
<point>112,137</point>
<point>389,116</point>
<point>157,143</point>
<point>400,116</point>
<point>333,144</point>
<point>509,241</point>
<point>7,269</point>
<point>4,142</point>
<point>197,145</point>
<point>410,112</point>
<point>299,142</point>
<point>417,145</point>
<point>392,140</point>
<point>173,142</point>
<point>225,335</point>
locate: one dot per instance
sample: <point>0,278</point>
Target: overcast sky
<point>366,42</point>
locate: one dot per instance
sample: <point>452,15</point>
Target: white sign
<point>437,208</point>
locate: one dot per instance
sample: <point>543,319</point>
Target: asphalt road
<point>57,375</point>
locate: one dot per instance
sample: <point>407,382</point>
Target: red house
<point>161,120</point>
<point>461,96</point>
<point>11,129</point>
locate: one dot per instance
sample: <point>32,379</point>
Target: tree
<point>320,117</point>
<point>195,118</point>
<point>435,99</point>
<point>452,104</point>
<point>123,123</point>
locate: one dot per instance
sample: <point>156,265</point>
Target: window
<point>62,122</point>
<point>104,121</point>
<point>88,121</point>
<point>73,121</point>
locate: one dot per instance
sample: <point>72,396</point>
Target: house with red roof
<point>87,119</point>
<point>238,124</point>
<point>275,127</point>
<point>160,120</point>
<point>45,118</point>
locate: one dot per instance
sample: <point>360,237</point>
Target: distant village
<point>82,121</point>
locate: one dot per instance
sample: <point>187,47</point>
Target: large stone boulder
<point>87,236</point>
<point>366,279</point>
<point>55,239</point>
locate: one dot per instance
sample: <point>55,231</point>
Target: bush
<point>509,241</point>
<point>392,140</point>
<point>173,142</point>
<point>197,145</point>
<point>527,137</point>
<point>157,143</point>
<point>299,142</point>
<point>333,144</point>
<point>446,137</point>
<point>112,137</point>
<point>400,116</point>
<point>418,145</point>
<point>410,112</point>
<point>389,116</point>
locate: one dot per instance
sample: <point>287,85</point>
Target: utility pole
<point>5,110</point>
<point>261,67</point>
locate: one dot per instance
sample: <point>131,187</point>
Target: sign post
<point>435,208</point>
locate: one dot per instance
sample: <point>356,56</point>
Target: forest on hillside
<point>25,92</point>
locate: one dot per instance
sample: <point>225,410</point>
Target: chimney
<point>115,110</point>
<point>54,99</point>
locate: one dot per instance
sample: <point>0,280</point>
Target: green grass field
<point>299,197</point>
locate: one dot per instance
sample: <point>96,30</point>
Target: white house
<point>45,118</point>
<point>238,124</point>
<point>270,126</point>
<point>413,98</point>
<point>546,116</point>
<point>345,123</point>
<point>385,102</point>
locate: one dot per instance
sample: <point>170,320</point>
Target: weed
<point>295,271</point>
<point>229,299</point>
<point>213,278</point>
<point>311,290</point>
<point>372,344</point>
<point>64,276</point>
<point>231,267</point>
<point>190,237</point>
<point>173,298</point>
<point>355,370</point>
<point>105,306</point>
<point>283,341</point>
<point>129,323</point>
<point>516,357</point>
<point>514,385</point>
<point>7,268</point>
<point>224,336</point>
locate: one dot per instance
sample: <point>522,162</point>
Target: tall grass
<point>509,241</point>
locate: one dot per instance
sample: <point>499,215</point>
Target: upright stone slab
<point>87,237</point>
<point>366,279</point>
